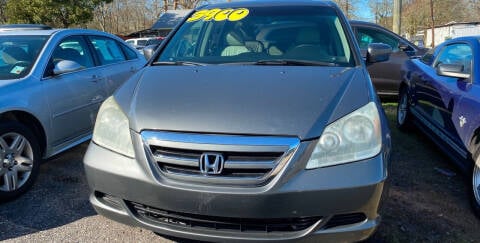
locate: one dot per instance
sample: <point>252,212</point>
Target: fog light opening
<point>109,200</point>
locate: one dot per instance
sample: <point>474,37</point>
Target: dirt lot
<point>427,199</point>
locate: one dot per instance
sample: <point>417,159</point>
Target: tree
<point>423,14</point>
<point>57,13</point>
<point>127,16</point>
<point>3,16</point>
<point>348,7</point>
<point>184,4</point>
<point>414,16</point>
<point>382,10</point>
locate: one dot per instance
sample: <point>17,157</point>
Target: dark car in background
<point>254,121</point>
<point>440,94</point>
<point>385,76</point>
<point>155,41</point>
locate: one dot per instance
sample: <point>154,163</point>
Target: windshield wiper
<point>294,62</point>
<point>179,63</point>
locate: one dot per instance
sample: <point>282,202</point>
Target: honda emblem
<point>211,163</point>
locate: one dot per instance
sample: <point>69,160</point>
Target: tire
<point>475,186</point>
<point>19,160</point>
<point>404,117</point>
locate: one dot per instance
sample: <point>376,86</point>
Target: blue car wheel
<point>403,111</point>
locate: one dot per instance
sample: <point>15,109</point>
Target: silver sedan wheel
<point>476,181</point>
<point>402,109</point>
<point>16,163</point>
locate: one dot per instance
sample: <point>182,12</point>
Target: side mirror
<point>378,52</point>
<point>66,66</point>
<point>452,70</point>
<point>149,50</point>
<point>403,46</point>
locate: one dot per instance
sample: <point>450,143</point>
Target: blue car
<point>440,94</point>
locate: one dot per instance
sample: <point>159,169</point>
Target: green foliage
<point>57,13</point>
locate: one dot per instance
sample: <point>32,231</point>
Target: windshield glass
<point>278,35</point>
<point>18,54</point>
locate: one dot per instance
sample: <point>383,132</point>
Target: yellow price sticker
<point>223,15</point>
<point>238,14</point>
<point>211,14</point>
<point>198,15</point>
<point>217,14</point>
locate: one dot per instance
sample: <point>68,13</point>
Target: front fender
<point>26,96</point>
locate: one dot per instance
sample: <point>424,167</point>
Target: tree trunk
<point>346,9</point>
<point>397,13</point>
<point>433,23</point>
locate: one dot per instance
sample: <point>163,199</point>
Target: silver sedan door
<point>75,90</point>
<point>118,61</point>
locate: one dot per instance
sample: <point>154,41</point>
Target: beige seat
<point>235,45</point>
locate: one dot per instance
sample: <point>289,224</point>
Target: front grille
<point>248,160</point>
<point>237,164</point>
<point>226,224</point>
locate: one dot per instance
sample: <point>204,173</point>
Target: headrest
<point>234,39</point>
<point>254,46</point>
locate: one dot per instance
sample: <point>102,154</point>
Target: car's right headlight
<point>112,129</point>
<point>354,137</point>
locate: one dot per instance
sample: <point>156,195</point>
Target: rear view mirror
<point>378,52</point>
<point>452,70</point>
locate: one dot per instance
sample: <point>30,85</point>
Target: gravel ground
<point>57,209</point>
<point>427,202</point>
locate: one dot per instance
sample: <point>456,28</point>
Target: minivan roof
<point>270,3</point>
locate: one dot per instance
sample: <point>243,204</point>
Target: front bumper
<point>340,201</point>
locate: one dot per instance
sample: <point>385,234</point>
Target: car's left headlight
<point>353,137</point>
<point>112,129</point>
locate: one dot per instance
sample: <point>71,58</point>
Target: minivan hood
<point>251,100</point>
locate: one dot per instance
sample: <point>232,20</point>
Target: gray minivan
<point>254,121</point>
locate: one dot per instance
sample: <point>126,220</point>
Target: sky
<point>364,12</point>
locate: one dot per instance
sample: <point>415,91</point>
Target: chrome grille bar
<point>229,164</point>
<point>220,143</point>
<point>249,160</point>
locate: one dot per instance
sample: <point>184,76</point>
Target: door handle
<point>96,78</point>
<point>133,69</point>
<point>97,98</point>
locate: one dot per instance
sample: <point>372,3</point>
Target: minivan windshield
<point>18,54</point>
<point>273,35</point>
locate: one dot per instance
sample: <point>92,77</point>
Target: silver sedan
<point>52,83</point>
